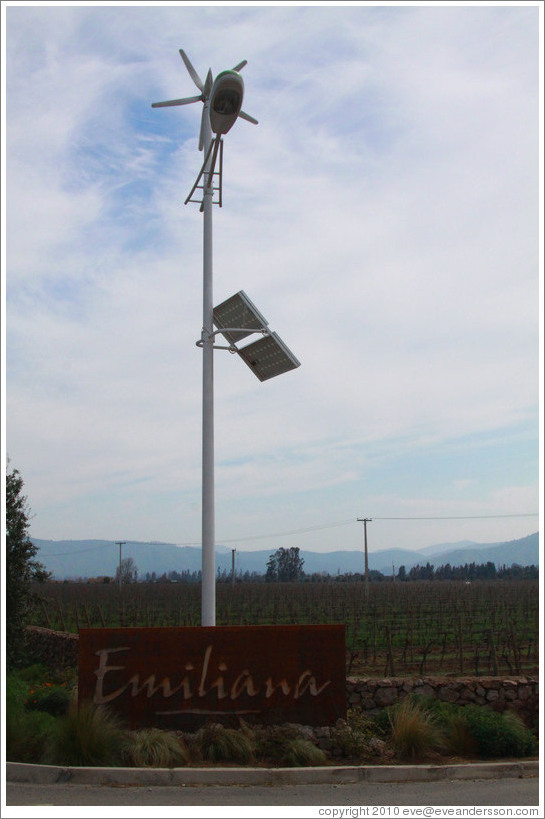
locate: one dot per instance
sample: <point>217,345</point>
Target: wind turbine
<point>237,317</point>
<point>222,100</point>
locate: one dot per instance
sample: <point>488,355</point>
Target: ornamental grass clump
<point>451,719</point>
<point>301,752</point>
<point>88,735</point>
<point>215,743</point>
<point>284,745</point>
<point>415,731</point>
<point>155,748</point>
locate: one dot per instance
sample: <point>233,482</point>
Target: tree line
<point>286,566</point>
<point>469,571</point>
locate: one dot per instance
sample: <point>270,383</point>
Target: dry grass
<point>214,743</point>
<point>156,748</point>
<point>415,731</point>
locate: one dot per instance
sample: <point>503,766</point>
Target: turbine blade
<point>184,101</point>
<point>209,82</point>
<point>248,118</point>
<point>192,73</point>
<point>201,132</point>
<point>240,66</point>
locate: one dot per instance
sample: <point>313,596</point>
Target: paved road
<point>502,792</point>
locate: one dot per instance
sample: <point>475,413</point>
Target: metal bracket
<point>232,347</point>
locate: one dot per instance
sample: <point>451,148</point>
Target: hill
<point>72,559</point>
<point>439,548</point>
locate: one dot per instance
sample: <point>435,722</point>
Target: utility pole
<point>233,567</point>
<point>120,543</point>
<point>365,521</point>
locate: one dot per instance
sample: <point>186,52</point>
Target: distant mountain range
<point>70,559</point>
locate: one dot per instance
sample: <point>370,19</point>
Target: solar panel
<point>238,311</point>
<point>268,357</point>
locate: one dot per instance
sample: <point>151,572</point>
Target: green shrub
<point>54,700</point>
<point>498,735</point>
<point>382,723</point>
<point>351,736</point>
<point>215,743</point>
<point>33,674</point>
<point>415,730</point>
<point>16,693</point>
<point>87,735</point>
<point>458,738</point>
<point>477,730</point>
<point>41,690</point>
<point>28,734</point>
<point>155,748</point>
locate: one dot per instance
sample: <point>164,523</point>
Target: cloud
<point>383,217</point>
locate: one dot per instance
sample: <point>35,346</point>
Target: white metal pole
<point>208,593</point>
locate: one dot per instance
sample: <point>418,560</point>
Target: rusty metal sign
<point>182,677</point>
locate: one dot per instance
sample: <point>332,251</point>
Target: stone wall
<point>57,649</point>
<point>519,694</point>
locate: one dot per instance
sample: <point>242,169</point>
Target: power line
<point>292,532</point>
<point>79,551</point>
<point>351,521</point>
<point>464,517</point>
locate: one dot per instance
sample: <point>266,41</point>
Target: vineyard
<point>399,629</point>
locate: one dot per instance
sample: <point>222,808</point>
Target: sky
<point>385,218</point>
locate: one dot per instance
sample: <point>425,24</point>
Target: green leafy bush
<point>42,690</point>
<point>478,730</point>
<point>498,735</point>
<point>351,736</point>
<point>16,693</point>
<point>52,699</point>
<point>382,723</point>
<point>33,674</point>
<point>155,748</point>
<point>28,736</point>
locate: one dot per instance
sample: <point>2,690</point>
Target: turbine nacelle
<point>224,96</point>
<point>225,101</point>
